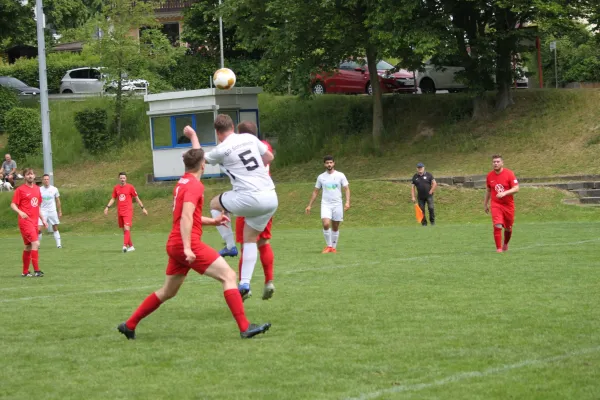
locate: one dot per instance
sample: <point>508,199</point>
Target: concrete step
<point>587,192</point>
<point>590,200</point>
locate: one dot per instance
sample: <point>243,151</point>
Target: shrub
<point>24,129</point>
<point>8,100</point>
<point>57,64</point>
<point>92,126</point>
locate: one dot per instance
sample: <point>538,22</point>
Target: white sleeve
<point>57,194</point>
<point>214,157</point>
<point>344,180</point>
<point>318,184</point>
<point>262,148</point>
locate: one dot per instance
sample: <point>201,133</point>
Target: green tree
<point>17,25</point>
<point>304,36</point>
<point>112,37</point>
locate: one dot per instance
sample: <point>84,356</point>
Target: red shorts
<point>504,216</point>
<point>29,232</point>
<point>239,230</point>
<point>125,220</point>
<point>205,256</point>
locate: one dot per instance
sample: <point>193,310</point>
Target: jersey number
<point>250,163</point>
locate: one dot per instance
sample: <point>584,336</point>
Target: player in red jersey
<point>501,186</point>
<point>26,202</point>
<point>125,193</point>
<point>186,251</point>
<point>264,246</point>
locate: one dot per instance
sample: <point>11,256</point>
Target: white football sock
<point>248,262</point>
<point>334,238</point>
<point>224,230</point>
<point>327,234</point>
<point>57,237</point>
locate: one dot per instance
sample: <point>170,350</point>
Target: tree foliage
<point>17,25</point>
<point>112,37</point>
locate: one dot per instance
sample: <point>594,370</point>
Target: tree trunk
<point>378,125</point>
<point>503,97</point>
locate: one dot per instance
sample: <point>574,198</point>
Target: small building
<point>170,112</point>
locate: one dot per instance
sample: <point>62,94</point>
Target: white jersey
<point>332,185</point>
<point>49,195</point>
<point>240,155</point>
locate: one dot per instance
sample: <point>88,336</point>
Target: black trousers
<point>429,202</point>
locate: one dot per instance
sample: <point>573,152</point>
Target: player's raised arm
<point>190,133</point>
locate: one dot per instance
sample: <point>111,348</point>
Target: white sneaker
<point>130,249</point>
<point>124,249</point>
<point>268,290</point>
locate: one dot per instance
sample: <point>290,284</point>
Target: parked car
<point>19,87</point>
<point>92,80</point>
<point>435,78</point>
<point>354,78</point>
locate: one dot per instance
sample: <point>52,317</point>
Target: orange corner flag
<point>418,213</point>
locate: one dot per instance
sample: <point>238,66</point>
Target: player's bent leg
<point>216,209</point>
<point>151,303</point>
<point>222,272</point>
<point>249,258</point>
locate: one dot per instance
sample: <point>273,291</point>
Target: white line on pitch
<point>472,374</point>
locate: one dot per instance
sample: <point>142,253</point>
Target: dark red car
<point>354,78</point>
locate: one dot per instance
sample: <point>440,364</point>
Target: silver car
<point>92,80</point>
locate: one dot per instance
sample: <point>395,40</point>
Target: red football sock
<point>148,306</point>
<point>35,257</point>
<point>26,260</point>
<point>240,262</point>
<point>266,258</point>
<point>498,237</point>
<point>507,235</point>
<point>126,237</point>
<point>236,305</point>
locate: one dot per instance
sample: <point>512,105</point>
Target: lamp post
<point>45,109</point>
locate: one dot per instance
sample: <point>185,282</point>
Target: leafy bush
<point>8,100</point>
<point>92,126</point>
<point>24,129</point>
<point>57,64</point>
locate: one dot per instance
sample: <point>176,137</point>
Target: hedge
<point>24,129</point>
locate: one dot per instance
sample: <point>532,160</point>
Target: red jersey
<point>498,183</point>
<point>28,199</point>
<point>268,166</point>
<point>188,190</point>
<point>124,195</point>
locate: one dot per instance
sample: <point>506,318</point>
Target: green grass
<point>403,312</point>
<point>374,203</point>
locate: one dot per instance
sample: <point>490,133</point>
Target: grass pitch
<point>399,312</point>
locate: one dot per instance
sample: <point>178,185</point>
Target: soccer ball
<point>224,79</point>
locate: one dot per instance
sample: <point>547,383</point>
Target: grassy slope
<point>544,134</point>
<point>374,203</point>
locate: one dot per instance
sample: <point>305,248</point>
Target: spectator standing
<point>425,185</point>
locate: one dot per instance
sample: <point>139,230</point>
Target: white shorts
<point>51,219</point>
<point>332,212</point>
<point>256,207</point>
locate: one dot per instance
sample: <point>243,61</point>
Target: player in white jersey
<point>332,211</point>
<point>51,208</point>
<point>243,157</point>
